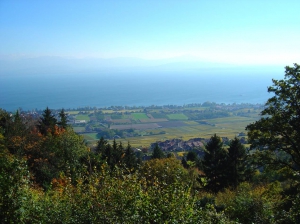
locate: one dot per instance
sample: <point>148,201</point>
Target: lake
<point>106,89</point>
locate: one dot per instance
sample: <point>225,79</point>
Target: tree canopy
<point>157,152</point>
<point>47,121</point>
<point>214,164</point>
<point>277,134</point>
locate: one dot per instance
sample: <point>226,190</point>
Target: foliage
<point>63,119</point>
<point>251,204</point>
<point>47,121</point>
<point>224,167</point>
<point>157,152</point>
<point>166,171</point>
<point>276,135</point>
<point>14,179</point>
<point>106,197</point>
<point>236,169</point>
<point>214,164</point>
<point>130,160</point>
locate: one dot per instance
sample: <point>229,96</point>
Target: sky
<point>259,32</point>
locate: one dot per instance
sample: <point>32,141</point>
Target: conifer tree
<point>101,145</point>
<point>47,121</point>
<point>130,159</point>
<point>214,164</point>
<point>157,152</point>
<point>63,119</point>
<point>236,165</point>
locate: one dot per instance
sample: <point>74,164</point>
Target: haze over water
<point>131,89</point>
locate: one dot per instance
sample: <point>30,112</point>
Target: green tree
<point>165,170</point>
<point>236,169</point>
<point>5,121</point>
<point>47,121</point>
<point>276,136</point>
<point>190,160</point>
<point>112,154</point>
<point>14,178</point>
<point>191,156</point>
<point>63,119</point>
<point>53,154</point>
<point>130,160</point>
<point>157,152</point>
<point>16,135</point>
<point>214,164</point>
<point>101,145</point>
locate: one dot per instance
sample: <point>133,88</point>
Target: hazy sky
<point>240,31</point>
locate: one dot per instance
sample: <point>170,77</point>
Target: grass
<point>79,129</point>
<point>138,116</point>
<point>91,136</point>
<point>177,117</point>
<point>82,117</point>
<point>72,112</point>
<point>158,115</point>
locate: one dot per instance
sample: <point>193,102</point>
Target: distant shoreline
<point>138,108</point>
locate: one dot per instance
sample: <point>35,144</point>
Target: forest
<point>49,174</point>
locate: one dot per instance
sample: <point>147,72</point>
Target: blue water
<point>132,89</point>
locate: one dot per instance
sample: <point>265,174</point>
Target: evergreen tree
<point>214,164</point>
<point>16,135</point>
<point>47,121</point>
<point>101,145</point>
<point>191,156</point>
<point>236,164</point>
<point>63,119</point>
<point>118,151</point>
<point>108,155</point>
<point>111,154</point>
<point>157,152</point>
<point>130,159</point>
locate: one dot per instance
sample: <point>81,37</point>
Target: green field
<point>138,116</point>
<point>169,123</point>
<point>79,129</point>
<point>158,115</point>
<point>82,117</point>
<point>91,136</point>
<point>177,117</point>
<point>72,112</point>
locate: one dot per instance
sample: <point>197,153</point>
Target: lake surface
<point>133,89</point>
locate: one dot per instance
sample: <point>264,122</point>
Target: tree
<point>236,164</point>
<point>5,121</point>
<point>101,145</point>
<point>190,160</point>
<point>166,171</point>
<point>63,119</point>
<point>214,165</point>
<point>130,159</point>
<point>47,121</point>
<point>14,178</point>
<point>53,154</point>
<point>276,136</point>
<point>191,156</point>
<point>113,155</point>
<point>16,135</point>
<point>157,152</point>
